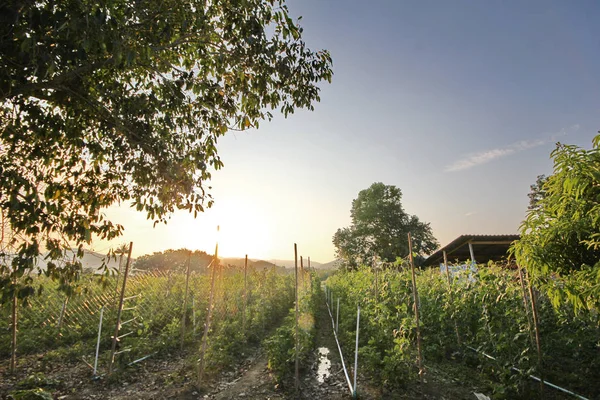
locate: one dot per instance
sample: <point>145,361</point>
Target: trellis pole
<point>214,263</point>
<point>185,299</point>
<point>302,271</point>
<point>245,294</point>
<point>296,365</point>
<point>416,301</point>
<point>537,334</point>
<point>119,311</point>
<point>15,305</point>
<point>451,297</point>
<point>354,393</point>
<point>98,341</point>
<point>526,306</point>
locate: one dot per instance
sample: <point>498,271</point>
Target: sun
<point>243,229</point>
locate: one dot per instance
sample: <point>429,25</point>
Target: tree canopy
<point>560,236</point>
<point>124,101</point>
<point>379,228</point>
<point>174,260</point>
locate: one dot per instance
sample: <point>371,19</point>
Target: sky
<point>458,104</point>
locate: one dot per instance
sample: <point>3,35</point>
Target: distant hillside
<point>335,264</point>
<point>314,264</point>
<point>255,264</point>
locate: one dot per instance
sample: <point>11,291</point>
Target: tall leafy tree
<point>560,236</point>
<point>379,228</point>
<point>120,100</point>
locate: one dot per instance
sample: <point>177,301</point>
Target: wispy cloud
<point>470,213</point>
<point>484,157</point>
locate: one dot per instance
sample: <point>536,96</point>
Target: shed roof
<point>485,248</point>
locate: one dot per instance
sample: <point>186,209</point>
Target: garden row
<point>474,316</point>
<point>157,317</point>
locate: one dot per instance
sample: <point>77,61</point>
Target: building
<point>481,248</point>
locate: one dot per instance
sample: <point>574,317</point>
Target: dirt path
<point>334,386</point>
<point>255,383</point>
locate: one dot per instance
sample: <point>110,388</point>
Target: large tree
<point>379,228</point>
<point>124,101</point>
<point>560,235</point>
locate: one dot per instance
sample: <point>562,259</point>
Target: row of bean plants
<point>487,309</point>
<point>155,310</point>
<point>281,346</point>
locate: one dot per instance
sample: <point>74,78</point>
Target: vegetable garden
<point>163,312</point>
<point>473,318</point>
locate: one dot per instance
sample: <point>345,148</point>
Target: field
<point>467,322</point>
<point>255,337</point>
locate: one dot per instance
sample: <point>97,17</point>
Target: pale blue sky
<point>458,103</point>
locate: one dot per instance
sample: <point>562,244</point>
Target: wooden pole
<point>537,335</point>
<point>15,304</point>
<point>185,299</point>
<point>309,275</point>
<point>296,366</point>
<point>376,284</point>
<point>302,271</point>
<point>451,297</point>
<point>472,253</point>
<point>416,300</point>
<point>118,275</point>
<point>214,263</point>
<point>62,313</point>
<point>526,306</point>
<point>245,293</point>
<point>119,311</point>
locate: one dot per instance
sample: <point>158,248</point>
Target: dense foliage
<point>490,315</point>
<point>120,101</point>
<point>560,236</point>
<point>156,311</point>
<point>281,346</point>
<point>379,228</point>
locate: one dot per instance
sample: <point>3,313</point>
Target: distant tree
<point>379,228</point>
<point>114,101</point>
<point>537,192</point>
<point>561,233</point>
<point>173,260</point>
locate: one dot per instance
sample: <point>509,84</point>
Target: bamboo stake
<point>376,284</point>
<point>416,301</point>
<point>296,366</point>
<point>337,316</point>
<point>537,334</point>
<point>119,311</point>
<point>185,299</point>
<point>15,303</point>
<point>118,275</point>
<point>98,341</point>
<point>62,313</point>
<point>200,372</point>
<point>354,394</point>
<point>302,271</point>
<point>451,296</point>
<point>194,314</point>
<point>526,306</point>
<point>245,294</point>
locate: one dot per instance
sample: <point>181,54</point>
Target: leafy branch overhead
<point>379,228</point>
<point>125,101</point>
<point>561,233</point>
